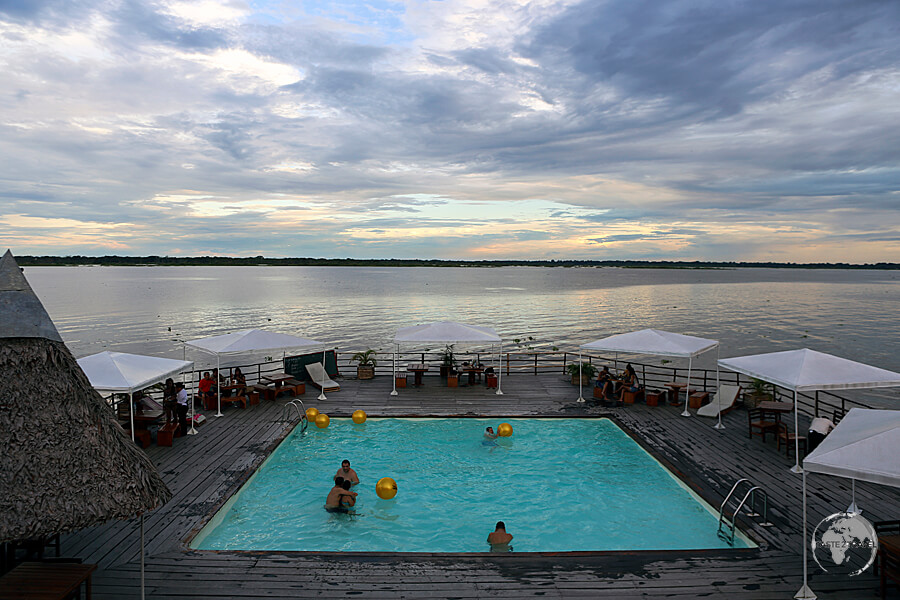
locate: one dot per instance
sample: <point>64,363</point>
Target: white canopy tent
<point>863,446</point>
<point>252,340</point>
<point>807,371</point>
<point>446,332</point>
<point>122,373</point>
<point>656,342</point>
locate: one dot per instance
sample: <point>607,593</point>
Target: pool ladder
<point>287,413</point>
<point>751,498</point>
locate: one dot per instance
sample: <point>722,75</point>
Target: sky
<point>752,130</point>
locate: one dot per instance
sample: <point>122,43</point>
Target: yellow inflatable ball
<point>322,421</point>
<point>504,430</point>
<point>312,413</point>
<point>359,417</point>
<point>386,488</point>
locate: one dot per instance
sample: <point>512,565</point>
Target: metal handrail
<point>754,493</point>
<point>301,412</point>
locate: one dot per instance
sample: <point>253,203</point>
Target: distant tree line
<point>132,261</point>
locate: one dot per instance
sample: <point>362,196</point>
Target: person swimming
<point>340,498</point>
<point>490,438</point>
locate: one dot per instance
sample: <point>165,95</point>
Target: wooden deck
<point>204,470</point>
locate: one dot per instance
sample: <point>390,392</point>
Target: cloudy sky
<point>623,129</point>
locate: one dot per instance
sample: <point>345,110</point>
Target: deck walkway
<point>203,471</point>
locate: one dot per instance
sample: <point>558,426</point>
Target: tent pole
<point>191,396</point>
<point>218,389</point>
<point>853,508</point>
<point>718,425</point>
<point>580,395</point>
<point>142,556</point>
<point>687,390</point>
<point>804,592</point>
<point>324,374</point>
<point>131,412</point>
<point>394,370</point>
<point>500,371</point>
<point>796,468</point>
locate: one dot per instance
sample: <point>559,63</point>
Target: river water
<point>148,309</point>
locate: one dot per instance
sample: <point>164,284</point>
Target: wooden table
<point>473,371</point>
<point>277,378</point>
<point>417,371</point>
<point>776,408</point>
<point>675,388</point>
<point>46,580</point>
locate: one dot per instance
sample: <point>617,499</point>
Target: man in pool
<point>347,473</point>
<point>489,437</point>
<point>499,539</point>
<point>340,497</point>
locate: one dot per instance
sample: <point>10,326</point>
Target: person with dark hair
<point>629,382</point>
<point>499,539</point>
<point>604,382</point>
<point>347,473</point>
<point>818,429</point>
<point>170,400</point>
<point>490,437</point>
<point>181,400</point>
<point>339,496</point>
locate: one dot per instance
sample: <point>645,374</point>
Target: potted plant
<point>586,369</point>
<point>365,369</point>
<point>447,361</point>
<point>759,392</point>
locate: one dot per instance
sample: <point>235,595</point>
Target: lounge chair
<point>319,378</point>
<point>722,402</point>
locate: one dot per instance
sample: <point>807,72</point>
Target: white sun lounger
<point>319,378</point>
<point>723,401</point>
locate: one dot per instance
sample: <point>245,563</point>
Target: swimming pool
<point>558,484</point>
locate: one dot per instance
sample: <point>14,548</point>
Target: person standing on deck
<point>181,397</point>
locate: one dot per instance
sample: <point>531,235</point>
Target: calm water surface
<point>147,309</point>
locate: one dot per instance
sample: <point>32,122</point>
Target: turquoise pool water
<point>559,484</point>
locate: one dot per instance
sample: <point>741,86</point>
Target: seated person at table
<point>629,382</point>
<point>218,381</point>
<point>604,382</point>
<point>818,429</point>
<point>238,382</point>
<point>205,386</point>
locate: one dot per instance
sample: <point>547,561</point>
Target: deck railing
<point>522,363</point>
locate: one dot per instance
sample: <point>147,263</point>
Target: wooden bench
<point>630,397</point>
<point>298,387</point>
<point>698,399</point>
<point>264,391</point>
<point>242,400</point>
<point>653,397</point>
<point>165,434</point>
<point>142,437</point>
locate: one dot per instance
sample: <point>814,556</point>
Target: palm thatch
<point>66,462</point>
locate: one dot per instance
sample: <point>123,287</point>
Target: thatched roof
<point>66,463</point>
<point>21,313</point>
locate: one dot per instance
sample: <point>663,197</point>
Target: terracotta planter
<point>365,372</point>
<point>585,380</point>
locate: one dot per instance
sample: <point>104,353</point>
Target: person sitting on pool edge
<point>340,497</point>
<point>499,539</point>
<point>347,473</point>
